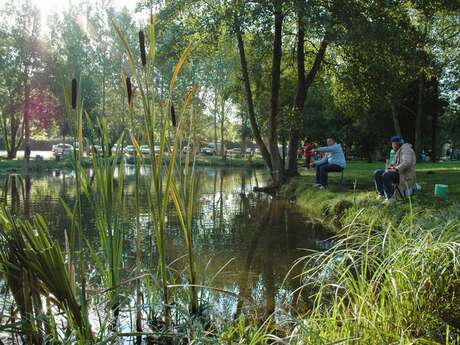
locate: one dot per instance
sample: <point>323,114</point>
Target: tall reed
<point>39,271</point>
<point>129,92</point>
<point>105,193</point>
<point>183,193</point>
<point>163,163</point>
<point>36,267</point>
<point>384,284</point>
<point>74,114</point>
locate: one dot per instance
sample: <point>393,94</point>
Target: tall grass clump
<point>37,269</point>
<point>384,284</point>
<point>105,193</point>
<point>103,190</point>
<point>166,173</point>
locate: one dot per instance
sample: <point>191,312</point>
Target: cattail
<point>129,88</point>
<point>142,47</point>
<point>74,93</point>
<point>173,115</point>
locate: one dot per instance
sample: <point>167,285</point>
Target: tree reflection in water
<point>258,236</point>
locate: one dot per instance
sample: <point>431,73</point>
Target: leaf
<point>177,70</point>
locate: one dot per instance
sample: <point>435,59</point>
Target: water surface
<point>244,242</point>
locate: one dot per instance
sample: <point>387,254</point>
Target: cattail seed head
<point>129,89</point>
<point>142,47</point>
<point>173,115</point>
<point>74,93</point>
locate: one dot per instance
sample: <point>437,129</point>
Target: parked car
<point>249,151</point>
<point>62,150</point>
<point>116,148</point>
<point>95,149</point>
<point>129,150</point>
<point>186,149</point>
<point>234,152</point>
<point>212,149</point>
<point>145,149</point>
<point>257,151</point>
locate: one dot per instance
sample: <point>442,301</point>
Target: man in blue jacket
<point>334,160</point>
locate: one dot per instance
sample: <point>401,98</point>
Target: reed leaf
<point>42,260</point>
<point>177,69</point>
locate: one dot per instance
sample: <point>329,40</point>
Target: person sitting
<point>334,160</point>
<point>400,173</point>
<point>307,153</point>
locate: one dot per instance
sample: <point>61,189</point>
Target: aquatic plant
<point>384,283</point>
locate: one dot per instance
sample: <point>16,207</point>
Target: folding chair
<point>341,175</point>
<point>406,193</point>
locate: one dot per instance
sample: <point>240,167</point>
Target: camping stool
<point>408,192</point>
<point>341,175</point>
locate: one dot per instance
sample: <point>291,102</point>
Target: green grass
<point>216,161</point>
<point>358,190</point>
<point>392,275</point>
<point>19,165</point>
<point>397,284</point>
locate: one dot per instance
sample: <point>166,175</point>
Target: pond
<point>244,242</point>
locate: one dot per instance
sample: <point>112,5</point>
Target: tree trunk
<point>395,116</point>
<point>272,124</point>
<point>283,158</point>
<point>215,117</point>
<point>434,128</point>
<point>11,148</point>
<point>249,99</point>
<point>27,149</point>
<point>294,135</point>
<point>222,120</point>
<point>303,84</point>
<point>15,141</point>
<point>11,154</point>
<point>419,117</point>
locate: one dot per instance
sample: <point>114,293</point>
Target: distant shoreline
<point>46,165</point>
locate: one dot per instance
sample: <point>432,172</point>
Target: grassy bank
<point>357,191</point>
<point>19,165</point>
<point>217,161</point>
<point>392,275</point>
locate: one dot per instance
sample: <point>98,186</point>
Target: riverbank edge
<point>326,206</point>
<point>20,166</point>
<point>337,206</point>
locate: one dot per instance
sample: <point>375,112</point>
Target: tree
<point>19,62</point>
<point>303,84</point>
<point>73,56</point>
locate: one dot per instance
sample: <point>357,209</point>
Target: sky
<point>48,7</point>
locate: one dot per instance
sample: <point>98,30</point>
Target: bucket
<point>440,189</point>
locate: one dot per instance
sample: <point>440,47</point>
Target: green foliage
<point>372,62</point>
<point>19,61</point>
<point>35,267</point>
<point>386,284</point>
<point>386,278</point>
